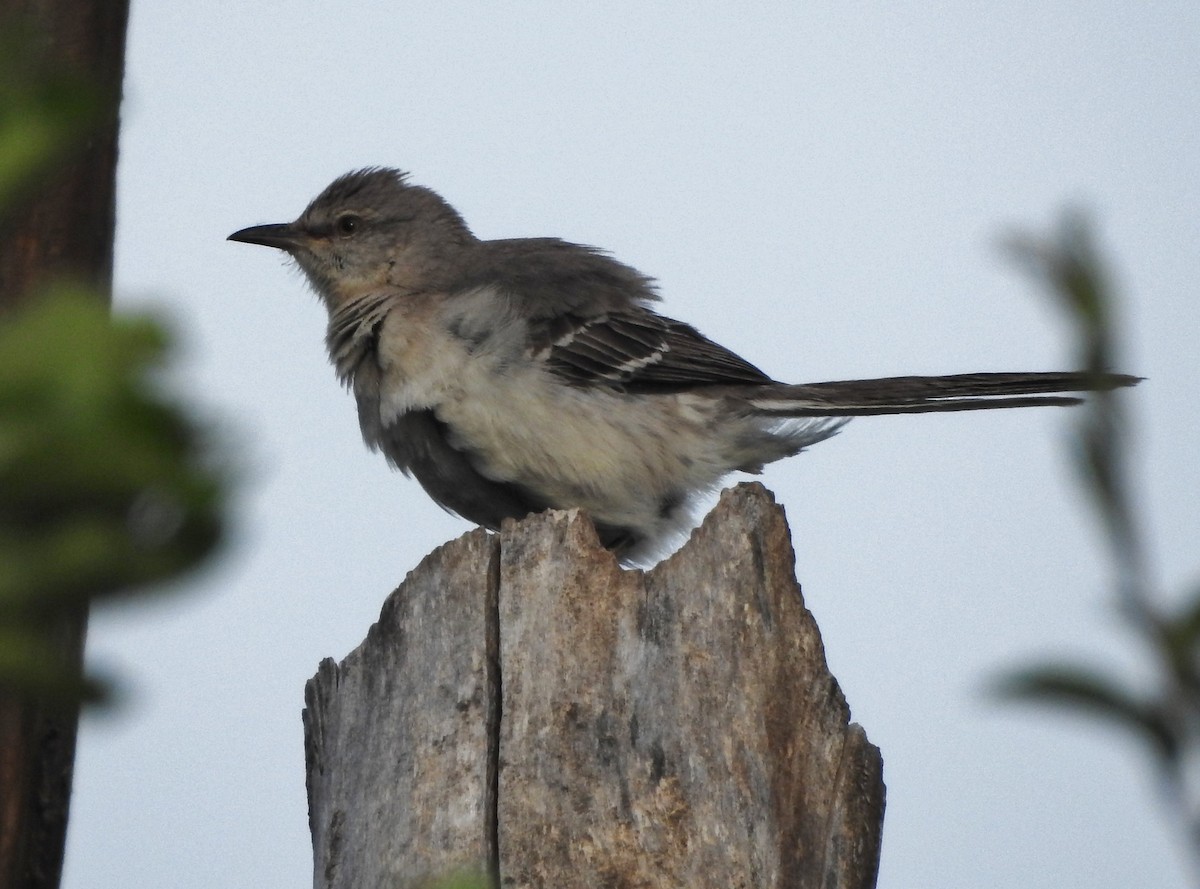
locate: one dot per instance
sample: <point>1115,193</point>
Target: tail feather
<point>912,395</point>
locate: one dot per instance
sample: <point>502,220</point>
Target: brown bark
<point>677,727</point>
<point>63,228</point>
<point>64,225</point>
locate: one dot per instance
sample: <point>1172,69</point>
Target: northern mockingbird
<point>513,376</point>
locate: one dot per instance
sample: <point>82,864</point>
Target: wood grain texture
<point>677,727</point>
<point>398,736</point>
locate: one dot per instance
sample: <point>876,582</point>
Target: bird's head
<point>370,229</point>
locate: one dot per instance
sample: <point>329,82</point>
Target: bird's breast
<point>422,363</point>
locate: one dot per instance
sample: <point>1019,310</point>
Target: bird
<point>518,375</point>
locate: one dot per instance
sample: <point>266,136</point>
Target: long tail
<point>915,395</point>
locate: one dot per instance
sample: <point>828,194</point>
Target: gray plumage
<point>512,376</point>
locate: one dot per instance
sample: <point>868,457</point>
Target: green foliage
<point>106,485</point>
<point>1090,690</point>
<point>1166,718</point>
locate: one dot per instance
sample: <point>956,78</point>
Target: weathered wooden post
<point>527,709</point>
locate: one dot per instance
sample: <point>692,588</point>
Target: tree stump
<point>527,709</point>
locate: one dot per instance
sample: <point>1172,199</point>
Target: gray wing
<point>589,320</point>
<point>638,351</point>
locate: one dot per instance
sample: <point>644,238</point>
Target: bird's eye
<point>348,224</point>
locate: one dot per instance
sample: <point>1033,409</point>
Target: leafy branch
<point>106,485</point>
<point>1167,718</point>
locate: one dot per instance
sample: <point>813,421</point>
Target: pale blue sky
<point>818,186</point>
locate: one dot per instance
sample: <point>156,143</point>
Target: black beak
<point>284,236</point>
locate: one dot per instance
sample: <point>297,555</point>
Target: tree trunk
<point>527,709</point>
<point>63,228</point>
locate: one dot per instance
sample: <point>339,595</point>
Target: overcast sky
<point>818,186</point>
